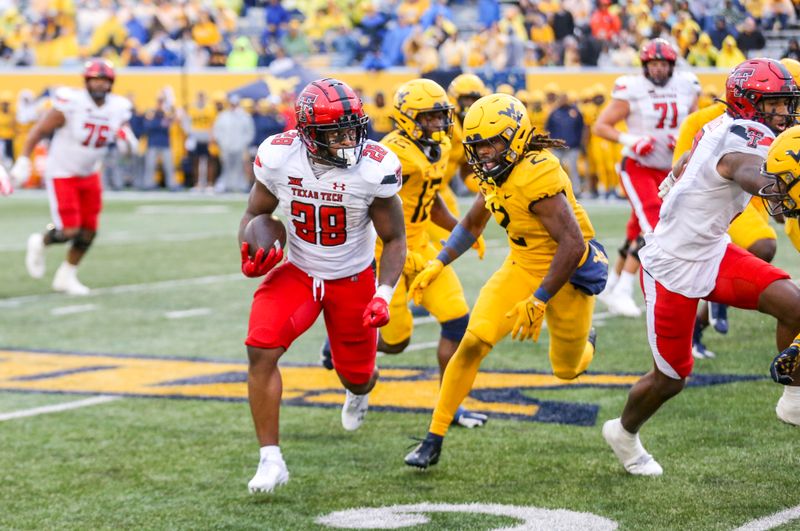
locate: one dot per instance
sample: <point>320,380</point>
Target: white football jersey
<point>78,146</point>
<point>330,233</point>
<point>657,111</point>
<point>684,251</point>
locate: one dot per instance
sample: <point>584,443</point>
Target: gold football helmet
<point>782,165</point>
<point>465,90</point>
<point>415,98</point>
<point>496,131</point>
<point>793,66</point>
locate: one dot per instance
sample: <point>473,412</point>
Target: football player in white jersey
<point>653,105</point>
<point>83,123</point>
<point>689,256</point>
<point>337,190</point>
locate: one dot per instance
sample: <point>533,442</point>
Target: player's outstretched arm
<point>48,123</point>
<point>615,112</point>
<point>441,216</point>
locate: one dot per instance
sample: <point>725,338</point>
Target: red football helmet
<point>98,69</point>
<point>327,105</point>
<point>754,81</point>
<point>658,50</point>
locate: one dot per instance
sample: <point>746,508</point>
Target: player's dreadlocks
<point>542,141</point>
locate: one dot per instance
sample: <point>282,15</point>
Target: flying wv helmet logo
<point>512,112</point>
<point>306,102</point>
<point>794,154</point>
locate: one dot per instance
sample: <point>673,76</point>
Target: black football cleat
<point>593,337</point>
<point>426,453</point>
<point>325,358</point>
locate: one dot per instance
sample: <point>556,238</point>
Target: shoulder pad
<point>276,149</point>
<point>754,133</point>
<point>381,164</point>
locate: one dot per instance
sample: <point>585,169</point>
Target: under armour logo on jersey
<point>296,181</point>
<point>338,186</point>
<point>512,112</point>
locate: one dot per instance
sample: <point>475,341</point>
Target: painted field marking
<point>69,310</point>
<point>55,408</point>
<point>772,521</point>
<point>182,314</point>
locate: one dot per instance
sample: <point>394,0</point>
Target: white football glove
<point>21,171</point>
<point>6,188</point>
<point>666,185</point>
<point>469,419</point>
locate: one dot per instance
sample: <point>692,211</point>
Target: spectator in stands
<point>571,55</point>
<point>7,128</point>
<point>624,55</point>
<point>277,18</point>
<point>392,47</point>
<point>374,60</point>
<point>703,54</point>
<point>373,25</point>
<point>233,132</point>
<point>793,50</point>
<point>733,13</point>
<point>205,31</point>
<point>155,127</point>
<point>605,25</point>
<point>23,56</point>
<point>777,14</point>
<point>563,23</point>
<point>243,56</point>
<point>295,42</point>
<point>437,9</point>
<point>730,55</point>
<point>719,32</point>
<point>267,121</point>
<point>590,49</point>
<point>566,123</point>
<point>488,12</point>
<point>344,48</point>
<point>750,37</point>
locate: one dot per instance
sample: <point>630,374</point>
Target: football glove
<point>529,315</point>
<point>376,314</point>
<point>415,263</point>
<point>262,262</point>
<point>644,146</point>
<point>480,247</point>
<point>666,185</point>
<point>424,279</point>
<point>126,141</point>
<point>469,419</point>
<point>671,142</point>
<point>6,188</point>
<point>20,171</point>
<point>784,364</point>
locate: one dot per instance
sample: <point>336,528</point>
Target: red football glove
<point>261,263</point>
<point>644,146</point>
<point>376,314</point>
<point>671,142</point>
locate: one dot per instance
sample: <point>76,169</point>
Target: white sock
<point>271,453</point>
<point>792,394</point>
<point>625,284</point>
<point>66,266</point>
<point>613,278</point>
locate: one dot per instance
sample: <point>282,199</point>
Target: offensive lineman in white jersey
<point>689,256</point>
<point>337,189</point>
<point>653,106</point>
<point>83,123</point>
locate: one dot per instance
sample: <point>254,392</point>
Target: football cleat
<point>629,450</point>
<point>623,305</point>
<point>699,350</point>
<point>469,419</point>
<point>354,410</point>
<point>270,474</point>
<point>66,280</point>
<point>718,317</point>
<point>34,255</point>
<point>325,356</point>
<point>426,453</point>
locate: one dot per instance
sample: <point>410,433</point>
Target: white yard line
<point>55,408</point>
<point>772,521</point>
<point>182,314</point>
<point>69,310</point>
<point>14,302</point>
<point>124,237</point>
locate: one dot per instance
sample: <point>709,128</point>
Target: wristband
<point>542,294</point>
<point>460,241</point>
<point>385,292</point>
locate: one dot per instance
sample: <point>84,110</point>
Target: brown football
<point>262,231</point>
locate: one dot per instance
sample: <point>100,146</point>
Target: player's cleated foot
<point>34,256</point>
<point>699,350</point>
<point>325,356</point>
<point>623,305</point>
<point>629,450</point>
<point>354,410</point>
<point>66,280</point>
<point>593,337</point>
<point>787,413</point>
<point>426,453</point>
<point>718,317</point>
<point>469,419</point>
<point>270,474</point>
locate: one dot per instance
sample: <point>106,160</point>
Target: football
<point>263,231</point>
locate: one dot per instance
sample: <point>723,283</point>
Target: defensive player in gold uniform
<point>552,272</point>
<point>750,230</point>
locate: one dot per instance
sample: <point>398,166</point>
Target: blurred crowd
<point>375,34</point>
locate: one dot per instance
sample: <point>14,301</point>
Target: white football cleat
<point>354,410</point>
<point>34,256</point>
<point>270,474</point>
<point>629,450</point>
<point>787,413</point>
<point>622,304</point>
<point>66,280</point>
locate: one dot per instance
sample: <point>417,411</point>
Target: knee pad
<point>623,249</point>
<point>639,245</point>
<point>454,329</point>
<point>55,235</point>
<point>83,240</point>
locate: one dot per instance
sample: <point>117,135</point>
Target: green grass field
<point>171,446</point>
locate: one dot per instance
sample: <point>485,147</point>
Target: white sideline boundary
<point>772,521</point>
<point>55,408</point>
